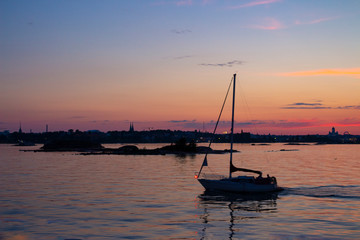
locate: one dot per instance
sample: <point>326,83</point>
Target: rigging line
<point>218,120</point>
<point>247,109</point>
<point>217,123</point>
<point>211,170</point>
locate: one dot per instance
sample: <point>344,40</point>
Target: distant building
<point>333,133</point>
<point>20,130</point>
<point>6,132</point>
<point>131,129</point>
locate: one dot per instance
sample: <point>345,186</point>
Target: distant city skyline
<point>166,64</point>
<point>222,129</point>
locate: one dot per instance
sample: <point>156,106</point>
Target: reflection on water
<point>241,207</point>
<point>67,196</point>
<point>219,196</point>
<point>295,213</point>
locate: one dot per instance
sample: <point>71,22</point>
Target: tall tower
<point>131,127</point>
<point>20,131</point>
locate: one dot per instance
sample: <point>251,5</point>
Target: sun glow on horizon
<point>72,67</point>
<point>327,72</point>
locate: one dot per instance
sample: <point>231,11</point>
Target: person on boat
<point>261,180</point>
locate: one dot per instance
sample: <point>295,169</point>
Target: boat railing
<point>209,176</point>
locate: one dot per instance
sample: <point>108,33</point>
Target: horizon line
<point>152,130</point>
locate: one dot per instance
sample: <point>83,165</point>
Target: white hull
<point>237,186</point>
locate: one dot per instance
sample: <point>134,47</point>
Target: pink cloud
<point>315,21</point>
<point>349,122</point>
<point>184,3</point>
<point>268,24</point>
<point>254,3</point>
<point>177,3</point>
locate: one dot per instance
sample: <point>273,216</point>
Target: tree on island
<point>181,145</point>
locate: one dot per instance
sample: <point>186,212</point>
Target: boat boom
<point>234,169</point>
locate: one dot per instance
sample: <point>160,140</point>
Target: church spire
<point>131,127</point>
<point>20,130</point>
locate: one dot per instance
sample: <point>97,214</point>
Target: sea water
<point>70,196</point>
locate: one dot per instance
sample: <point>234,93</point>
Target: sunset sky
<point>166,64</point>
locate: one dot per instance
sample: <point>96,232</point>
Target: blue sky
<point>75,64</point>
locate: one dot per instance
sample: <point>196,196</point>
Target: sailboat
<point>239,184</point>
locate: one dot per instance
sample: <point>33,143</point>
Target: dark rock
<point>71,145</point>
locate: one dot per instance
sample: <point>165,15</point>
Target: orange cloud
<point>325,72</point>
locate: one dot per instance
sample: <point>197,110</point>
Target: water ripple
<point>329,191</point>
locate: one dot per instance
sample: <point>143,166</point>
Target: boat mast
<point>232,126</point>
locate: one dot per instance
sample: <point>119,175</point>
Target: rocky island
<point>87,147</point>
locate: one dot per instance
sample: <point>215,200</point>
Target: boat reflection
<point>240,207</point>
<point>208,196</point>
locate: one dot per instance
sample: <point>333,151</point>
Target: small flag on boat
<point>205,162</point>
